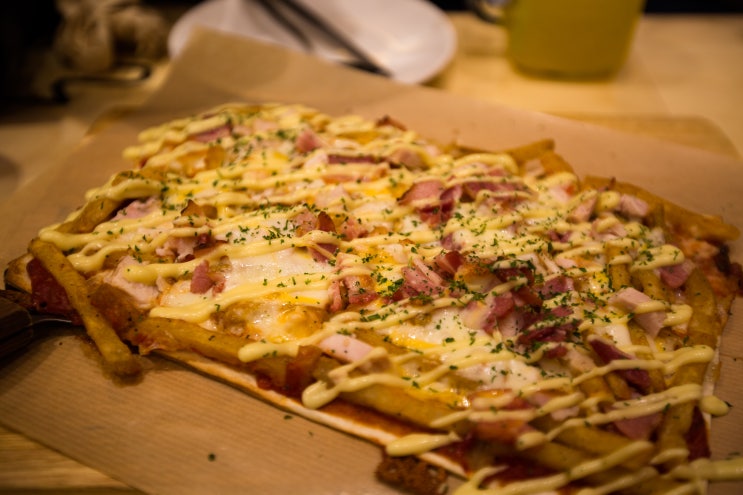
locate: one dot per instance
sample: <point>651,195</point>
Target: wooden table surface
<point>641,101</point>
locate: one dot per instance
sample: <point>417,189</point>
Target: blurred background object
<point>46,43</point>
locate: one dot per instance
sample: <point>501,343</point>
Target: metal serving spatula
<point>17,325</point>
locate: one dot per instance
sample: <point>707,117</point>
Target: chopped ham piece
<point>633,206</point>
<point>137,209</point>
<point>204,279</point>
<point>639,428</point>
<point>349,349</point>
<point>542,398</point>
<point>631,299</point>
<point>352,228</point>
<point>183,248</point>
<point>674,276</point>
<point>345,348</point>
<point>408,158</point>
<point>583,211</point>
<point>307,141</point>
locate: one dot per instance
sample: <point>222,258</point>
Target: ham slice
<point>307,141</point>
<point>631,299</point>
<point>633,206</point>
<point>639,428</point>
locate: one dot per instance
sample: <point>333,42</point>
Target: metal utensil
<point>363,60</point>
<point>17,325</point>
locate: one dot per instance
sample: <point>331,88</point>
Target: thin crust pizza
<point>487,314</point>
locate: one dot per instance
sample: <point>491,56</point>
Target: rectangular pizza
<point>489,315</point>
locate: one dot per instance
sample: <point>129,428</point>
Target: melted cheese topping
<point>255,249</point>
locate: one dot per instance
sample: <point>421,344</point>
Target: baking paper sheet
<point>179,432</point>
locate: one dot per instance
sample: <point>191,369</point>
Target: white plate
<point>413,39</point>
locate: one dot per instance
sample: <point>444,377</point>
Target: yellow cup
<point>565,38</point>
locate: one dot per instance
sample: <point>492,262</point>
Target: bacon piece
<point>557,333</point>
<point>337,159</point>
<point>306,222</point>
<point>448,262</point>
<point>630,299</point>
<point>429,190</point>
<point>485,314</point>
<point>352,228</point>
<point>338,296</point>
<point>674,276</point>
<point>360,289</point>
<point>137,209</point>
<point>419,279</point>
<point>204,279</point>
<point>212,134</point>
<point>357,290</point>
<point>607,353</point>
<point>472,188</point>
<point>555,286</point>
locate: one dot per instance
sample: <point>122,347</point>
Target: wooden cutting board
<point>27,466</point>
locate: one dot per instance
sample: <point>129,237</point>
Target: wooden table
<point>682,83</point>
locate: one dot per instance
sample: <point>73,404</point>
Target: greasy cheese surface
<point>225,225</point>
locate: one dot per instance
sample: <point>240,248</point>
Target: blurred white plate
<point>413,39</point>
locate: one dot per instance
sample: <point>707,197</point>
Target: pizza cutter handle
<point>16,330</point>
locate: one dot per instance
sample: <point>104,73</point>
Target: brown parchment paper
<point>179,432</point>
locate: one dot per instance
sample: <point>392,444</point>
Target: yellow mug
<point>565,38</point>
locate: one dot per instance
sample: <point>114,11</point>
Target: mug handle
<point>488,10</point>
